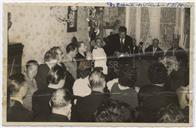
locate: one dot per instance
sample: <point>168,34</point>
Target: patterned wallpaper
<point>38,30</point>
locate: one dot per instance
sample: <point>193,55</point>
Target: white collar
<point>123,87</point>
<point>16,99</point>
<point>57,86</point>
<point>160,85</point>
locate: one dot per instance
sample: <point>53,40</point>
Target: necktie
<point>121,43</point>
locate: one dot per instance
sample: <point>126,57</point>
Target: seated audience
<point>81,86</point>
<point>154,52</point>
<point>123,88</point>
<point>99,55</point>
<point>41,98</point>
<point>61,106</point>
<point>86,106</point>
<point>114,111</point>
<point>16,112</point>
<point>70,61</point>
<point>31,72</point>
<point>154,96</point>
<point>50,59</point>
<point>171,114</point>
<point>178,52</point>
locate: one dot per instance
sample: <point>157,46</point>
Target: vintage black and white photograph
<point>98,63</point>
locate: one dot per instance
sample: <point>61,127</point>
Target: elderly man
<point>154,52</point>
<point>61,106</point>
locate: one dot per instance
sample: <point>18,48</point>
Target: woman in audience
<point>171,114</point>
<point>154,96</point>
<point>123,88</point>
<point>50,59</point>
<point>114,111</point>
<point>70,61</point>
<point>61,106</point>
<point>83,57</point>
<point>99,55</point>
<point>31,72</point>
<point>86,106</point>
<point>56,79</point>
<point>16,112</point>
<point>57,50</point>
<point>81,86</point>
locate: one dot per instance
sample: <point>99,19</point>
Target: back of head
<point>16,82</point>
<point>97,79</point>
<point>114,111</point>
<point>157,73</point>
<point>127,76</point>
<point>71,47</point>
<point>61,98</point>
<point>55,75</point>
<point>171,114</point>
<point>49,55</point>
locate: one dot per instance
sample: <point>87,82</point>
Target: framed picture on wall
<point>72,19</point>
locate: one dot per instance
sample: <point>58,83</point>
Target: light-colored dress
<point>81,87</point>
<point>99,55</point>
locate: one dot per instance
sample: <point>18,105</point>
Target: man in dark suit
<point>154,52</point>
<point>86,106</point>
<point>119,43</point>
<point>117,47</point>
<point>16,112</point>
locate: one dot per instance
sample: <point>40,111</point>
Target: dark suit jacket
<point>57,118</point>
<point>151,99</point>
<point>113,45</point>
<point>18,113</point>
<point>40,104</point>
<point>149,53</point>
<point>41,77</point>
<point>180,54</point>
<point>86,106</point>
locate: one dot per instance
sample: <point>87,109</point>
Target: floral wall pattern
<point>38,30</point>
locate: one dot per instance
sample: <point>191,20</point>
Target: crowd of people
<point>99,85</point>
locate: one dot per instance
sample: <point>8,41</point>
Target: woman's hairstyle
<point>157,73</point>
<point>171,114</point>
<point>31,62</point>
<point>127,75</point>
<point>54,49</point>
<point>114,111</point>
<point>49,55</point>
<point>71,47</point>
<point>96,78</point>
<point>61,97</point>
<point>16,81</point>
<point>56,74</point>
